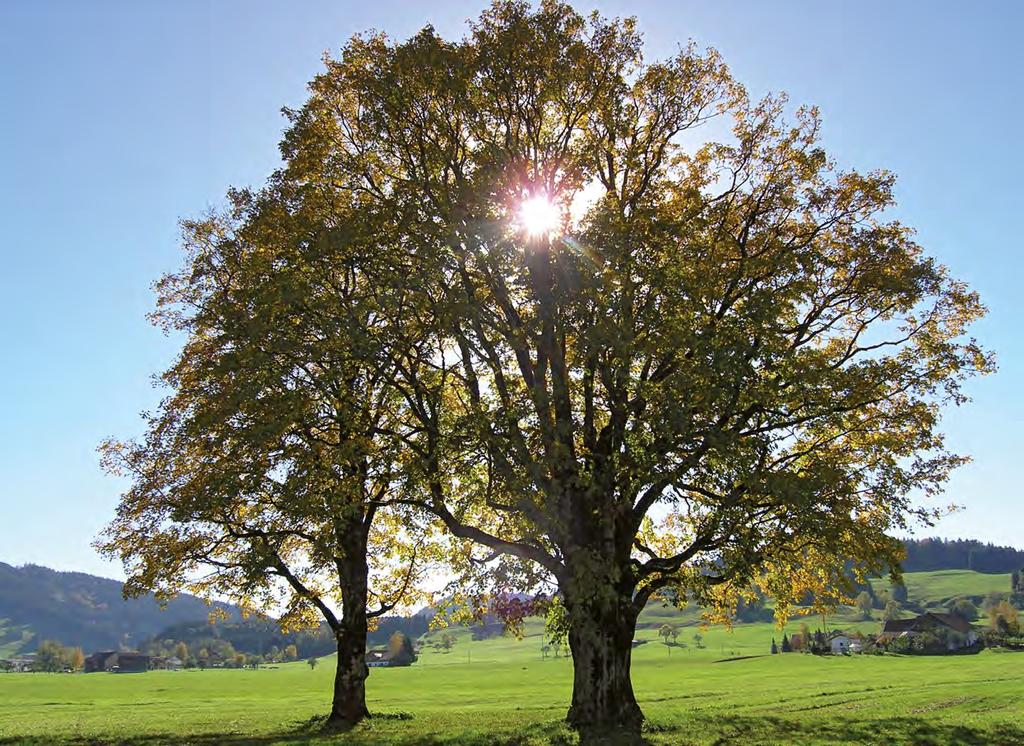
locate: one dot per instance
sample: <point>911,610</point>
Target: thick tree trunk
<point>349,704</point>
<point>601,628</point>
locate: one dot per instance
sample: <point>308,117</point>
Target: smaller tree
<point>181,652</point>
<point>992,600</point>
<point>964,609</point>
<point>864,604</point>
<point>892,610</point>
<point>775,648</point>
<point>675,635</point>
<point>786,647</point>
<point>1015,582</point>
<point>312,663</point>
<point>1004,618</point>
<point>75,659</point>
<point>899,593</point>
<point>50,657</point>
<point>291,653</point>
<point>400,650</point>
<point>698,640</point>
<point>665,632</point>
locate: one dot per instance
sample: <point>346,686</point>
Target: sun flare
<point>539,216</point>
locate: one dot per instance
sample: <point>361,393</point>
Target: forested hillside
<point>37,603</point>
<point>961,554</point>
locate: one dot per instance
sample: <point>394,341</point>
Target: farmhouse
<point>959,632</point>
<point>378,658</point>
<point>102,661</point>
<point>112,660</point>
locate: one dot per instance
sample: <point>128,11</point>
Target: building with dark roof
<point>959,632</point>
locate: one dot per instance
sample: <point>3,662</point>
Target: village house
<point>958,631</point>
<point>112,660</point>
<point>840,643</point>
<point>378,658</point>
<point>101,661</point>
<point>21,663</point>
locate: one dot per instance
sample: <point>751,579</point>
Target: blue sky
<point>119,118</point>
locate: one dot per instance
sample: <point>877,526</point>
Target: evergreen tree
<point>899,593</point>
<point>775,648</point>
<point>786,647</point>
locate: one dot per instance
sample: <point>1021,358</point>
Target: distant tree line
<point>53,657</point>
<point>960,554</point>
<point>258,637</point>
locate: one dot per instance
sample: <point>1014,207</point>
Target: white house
<point>841,644</point>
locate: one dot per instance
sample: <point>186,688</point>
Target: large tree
<point>725,367</point>
<point>266,475</point>
<point>626,358</point>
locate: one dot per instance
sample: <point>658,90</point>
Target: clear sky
<point>118,118</point>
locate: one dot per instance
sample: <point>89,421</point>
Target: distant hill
<point>37,603</point>
<point>926,555</point>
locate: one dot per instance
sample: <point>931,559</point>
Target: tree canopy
<point>716,362</point>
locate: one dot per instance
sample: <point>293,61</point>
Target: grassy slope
<point>508,694</point>
<point>942,585</point>
<point>12,638</point>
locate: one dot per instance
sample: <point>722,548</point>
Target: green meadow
<point>502,690</point>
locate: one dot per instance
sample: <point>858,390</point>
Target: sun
<point>539,216</point>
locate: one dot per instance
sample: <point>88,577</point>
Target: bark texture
<point>601,628</point>
<point>349,703</point>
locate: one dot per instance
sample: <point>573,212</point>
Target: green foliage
<point>963,608</point>
<point>51,657</point>
<point>899,593</point>
<point>864,603</point>
<point>665,632</point>
<point>1004,618</point>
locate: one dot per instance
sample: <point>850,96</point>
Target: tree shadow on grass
<point>380,729</point>
<point>899,731</point>
<point>718,731</point>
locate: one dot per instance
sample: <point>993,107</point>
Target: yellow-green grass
<point>500,691</point>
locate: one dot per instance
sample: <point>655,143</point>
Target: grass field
<point>500,691</point>
<point>940,586</point>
